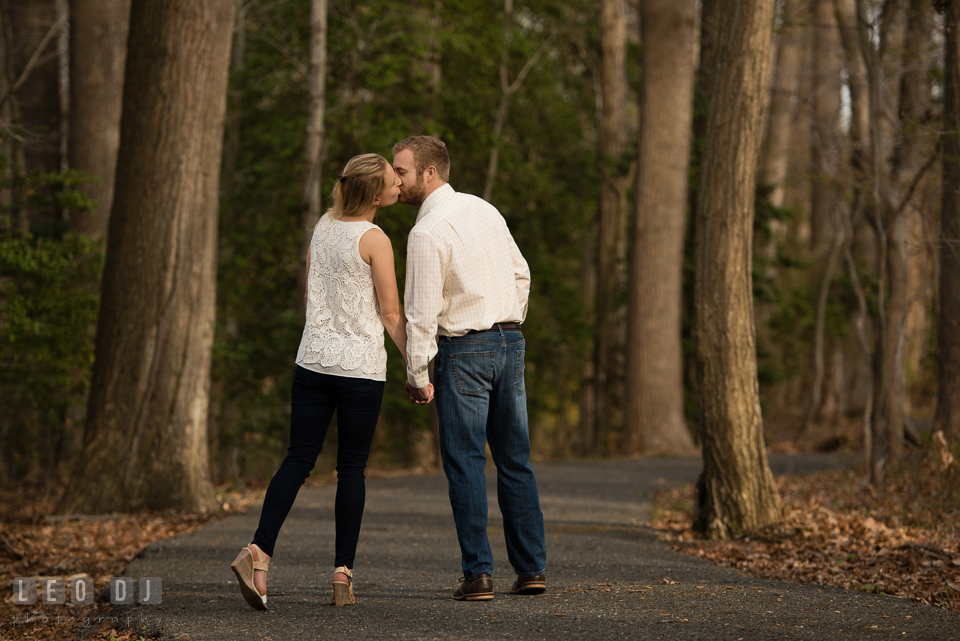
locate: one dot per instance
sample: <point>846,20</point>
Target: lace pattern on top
<point>343,324</point>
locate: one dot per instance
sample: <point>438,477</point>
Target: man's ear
<point>431,174</point>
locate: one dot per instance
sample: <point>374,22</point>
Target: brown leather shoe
<point>529,585</point>
<point>478,589</point>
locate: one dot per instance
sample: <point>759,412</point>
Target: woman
<point>341,365</point>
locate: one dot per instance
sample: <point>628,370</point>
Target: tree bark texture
<point>846,16</point>
<point>782,103</point>
<point>948,329</point>
<point>313,151</point>
<point>654,420</point>
<point>736,489</point>
<point>145,441</point>
<point>796,192</point>
<point>826,63</point>
<point>98,49</point>
<point>921,287</point>
<point>612,144</point>
<point>825,125</point>
<point>709,25</point>
<point>709,32</point>
<point>857,369</point>
<point>897,179</point>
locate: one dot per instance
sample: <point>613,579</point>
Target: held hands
<point>420,395</point>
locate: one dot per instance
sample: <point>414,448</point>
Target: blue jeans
<point>480,396</point>
<point>314,398</point>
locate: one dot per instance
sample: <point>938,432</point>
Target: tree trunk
<point>709,25</point>
<point>825,126</point>
<point>796,192</point>
<point>588,383</point>
<point>231,136</point>
<point>222,413</point>
<point>612,144</point>
<point>845,12</point>
<point>504,104</point>
<point>858,373</point>
<point>35,66</point>
<point>779,169</point>
<point>898,64</point>
<point>709,34</point>
<point>654,418</point>
<point>902,171</point>
<point>948,329</point>
<point>888,359</point>
<point>145,442</point>
<point>98,49</point>
<point>9,114</point>
<point>921,283</point>
<point>313,151</point>
<point>736,489</point>
<point>33,27</point>
<point>824,198</point>
<point>784,90</point>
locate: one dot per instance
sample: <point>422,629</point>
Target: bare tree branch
<point>839,241</point>
<point>35,59</point>
<point>915,183</point>
<point>532,62</point>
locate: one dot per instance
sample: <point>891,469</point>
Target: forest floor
<point>35,543</point>
<point>902,539</point>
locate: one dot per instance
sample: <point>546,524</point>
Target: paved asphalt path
<point>608,577</point>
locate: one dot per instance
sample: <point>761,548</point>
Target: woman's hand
<point>420,395</point>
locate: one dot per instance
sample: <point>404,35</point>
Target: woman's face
<point>391,192</point>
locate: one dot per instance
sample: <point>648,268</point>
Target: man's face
<point>411,185</point>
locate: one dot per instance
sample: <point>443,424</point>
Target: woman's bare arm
<point>376,250</point>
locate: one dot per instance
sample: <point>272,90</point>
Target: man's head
<point>422,165</point>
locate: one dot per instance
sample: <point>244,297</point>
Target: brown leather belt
<point>499,327</point>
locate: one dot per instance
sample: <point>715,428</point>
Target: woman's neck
<point>367,216</point>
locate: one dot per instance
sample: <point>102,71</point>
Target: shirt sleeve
<point>522,273</point>
<point>422,302</point>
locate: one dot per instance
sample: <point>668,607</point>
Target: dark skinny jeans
<point>314,397</point>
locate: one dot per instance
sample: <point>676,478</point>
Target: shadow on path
<point>608,577</point>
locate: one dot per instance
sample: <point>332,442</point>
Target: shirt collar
<point>434,199</point>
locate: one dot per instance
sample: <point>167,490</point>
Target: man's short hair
<point>427,152</point>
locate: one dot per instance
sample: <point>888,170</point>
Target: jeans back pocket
<point>472,371</point>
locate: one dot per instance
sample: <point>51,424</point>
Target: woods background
<point>591,126</point>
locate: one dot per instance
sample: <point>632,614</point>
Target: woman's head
<point>367,181</point>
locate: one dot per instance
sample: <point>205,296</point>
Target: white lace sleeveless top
<point>343,334</point>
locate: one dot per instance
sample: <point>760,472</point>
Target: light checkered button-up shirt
<point>464,272</point>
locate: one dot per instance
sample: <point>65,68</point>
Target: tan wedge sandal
<point>244,566</point>
<point>343,592</point>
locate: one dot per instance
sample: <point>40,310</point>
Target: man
<point>466,295</point>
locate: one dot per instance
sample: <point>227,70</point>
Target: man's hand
<point>420,395</point>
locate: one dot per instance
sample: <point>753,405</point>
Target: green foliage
<point>48,307</point>
<point>397,69</point>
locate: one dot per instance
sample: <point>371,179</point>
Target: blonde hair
<point>357,188</point>
<point>427,152</point>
